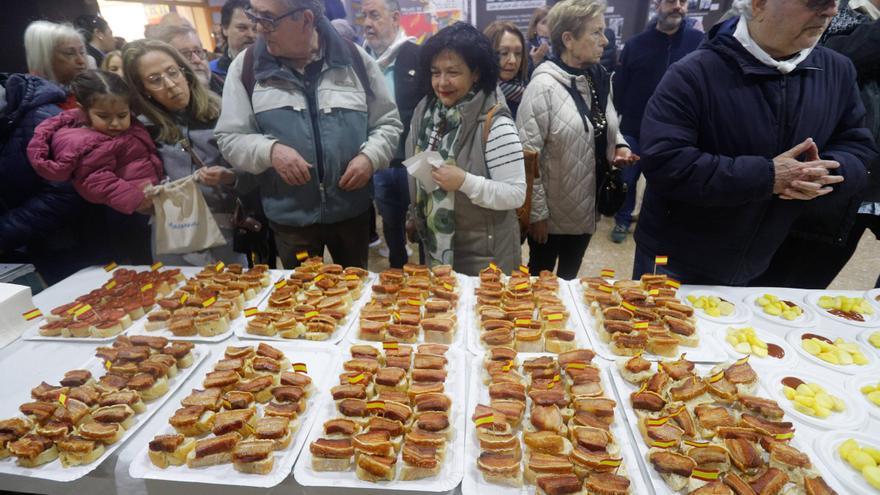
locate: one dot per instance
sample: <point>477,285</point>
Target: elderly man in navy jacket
<point>740,136</point>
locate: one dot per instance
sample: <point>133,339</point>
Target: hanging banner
<point>519,12</point>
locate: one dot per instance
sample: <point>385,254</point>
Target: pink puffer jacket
<point>105,170</point>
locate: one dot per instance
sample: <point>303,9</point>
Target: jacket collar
<point>335,54</point>
<point>25,92</point>
<point>721,40</point>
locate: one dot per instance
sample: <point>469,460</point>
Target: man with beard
<point>644,61</point>
<point>238,31</point>
<point>186,41</point>
<point>398,57</point>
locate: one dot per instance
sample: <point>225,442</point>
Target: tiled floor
<point>860,273</point>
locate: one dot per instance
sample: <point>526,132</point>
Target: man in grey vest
<point>316,124</point>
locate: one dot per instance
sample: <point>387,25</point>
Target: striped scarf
<point>513,90</point>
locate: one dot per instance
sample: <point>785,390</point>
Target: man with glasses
<point>238,31</point>
<point>398,57</point>
<point>186,41</point>
<point>643,62</point>
<point>308,114</point>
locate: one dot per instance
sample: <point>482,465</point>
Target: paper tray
<point>81,283</point>
<point>453,465</point>
<point>462,312</point>
<point>623,389</point>
<point>582,338</point>
<point>319,360</point>
<point>708,351</point>
<point>340,332</point>
<point>54,471</point>
<point>236,325</point>
<point>478,393</point>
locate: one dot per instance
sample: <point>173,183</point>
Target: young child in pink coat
<point>108,155</point>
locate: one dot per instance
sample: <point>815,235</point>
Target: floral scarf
<point>439,132</point>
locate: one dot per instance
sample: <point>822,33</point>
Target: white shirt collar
<point>745,39</point>
<point>866,7</point>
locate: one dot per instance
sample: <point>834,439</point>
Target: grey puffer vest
<point>481,235</point>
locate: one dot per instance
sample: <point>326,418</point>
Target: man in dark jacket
<point>38,219</point>
<point>398,57</point>
<point>740,136</point>
<point>644,61</point>
<point>830,231</point>
<point>238,32</point>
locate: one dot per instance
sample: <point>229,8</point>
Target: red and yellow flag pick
<point>555,316</point>
<point>554,381</point>
<point>493,266</point>
<point>74,308</point>
<point>654,292</point>
<point>628,306</point>
<point>611,462</point>
<point>576,365</point>
<point>32,314</point>
<point>356,379</point>
<point>390,346</point>
<point>507,367</point>
<point>146,287</point>
<point>155,266</point>
<point>414,302</point>
<point>219,267</point>
<point>81,311</point>
<point>607,273</point>
<point>606,288</point>
<point>657,421</point>
<point>351,276</point>
<point>640,325</point>
<point>300,367</point>
<point>302,255</point>
<point>108,364</point>
<point>375,404</point>
<point>784,436</point>
<point>248,312</point>
<point>661,260</point>
<point>184,298</point>
<point>447,286</point>
<point>318,278</point>
<point>485,419</point>
<point>62,399</point>
<point>716,377</point>
<point>522,286</point>
<point>663,445</point>
<point>310,315</point>
<point>705,474</point>
<point>675,284</point>
<point>281,283</point>
<point>522,322</point>
<point>110,267</point>
<point>110,285</point>
<point>524,269</point>
<point>207,303</point>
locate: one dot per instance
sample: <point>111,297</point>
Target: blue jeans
<point>391,187</point>
<point>630,176</point>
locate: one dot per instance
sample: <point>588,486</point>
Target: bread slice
<point>177,458</point>
<point>557,346</point>
<point>409,473</point>
<point>45,456</point>
<point>158,389</point>
<point>69,459</point>
<point>514,481</point>
<point>208,460</point>
<point>328,464</point>
<point>257,467</point>
<point>439,337</point>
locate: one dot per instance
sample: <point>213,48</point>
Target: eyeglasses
<point>200,53</point>
<point>269,24</point>
<point>157,81</point>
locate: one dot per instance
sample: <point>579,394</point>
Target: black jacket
<point>406,91</point>
<point>709,136</point>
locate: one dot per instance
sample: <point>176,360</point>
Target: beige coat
<point>549,123</point>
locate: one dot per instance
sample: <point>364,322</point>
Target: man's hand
<point>538,231</point>
<point>624,157</point>
<point>357,174</point>
<point>793,177</point>
<point>448,177</point>
<point>216,175</point>
<point>290,165</point>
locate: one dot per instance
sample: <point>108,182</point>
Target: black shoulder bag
<point>610,188</point>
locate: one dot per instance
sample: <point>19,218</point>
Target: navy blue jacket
<point>709,136</point>
<point>644,61</point>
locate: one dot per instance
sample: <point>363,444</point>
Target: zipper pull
<point>321,190</point>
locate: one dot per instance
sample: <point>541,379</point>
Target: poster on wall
<point>421,18</point>
<point>519,12</point>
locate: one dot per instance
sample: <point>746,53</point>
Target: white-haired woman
<point>567,116</point>
<point>55,52</point>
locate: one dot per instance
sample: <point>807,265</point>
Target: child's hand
<point>216,175</point>
<point>146,206</point>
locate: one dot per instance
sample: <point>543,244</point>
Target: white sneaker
<point>383,251</point>
<point>408,251</point>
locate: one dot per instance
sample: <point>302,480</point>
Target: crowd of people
<point>756,139</point>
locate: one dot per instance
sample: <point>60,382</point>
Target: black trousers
<point>348,241</point>
<point>568,250</point>
<point>811,264</point>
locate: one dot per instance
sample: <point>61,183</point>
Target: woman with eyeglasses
<point>180,114</point>
<point>509,44</point>
<point>185,40</point>
<point>55,52</point>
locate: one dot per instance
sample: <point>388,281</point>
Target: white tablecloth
<point>25,363</point>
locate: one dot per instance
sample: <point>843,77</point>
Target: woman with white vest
<point>567,117</point>
<point>470,220</point>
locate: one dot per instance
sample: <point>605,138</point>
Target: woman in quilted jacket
<point>568,118</point>
<point>108,156</point>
